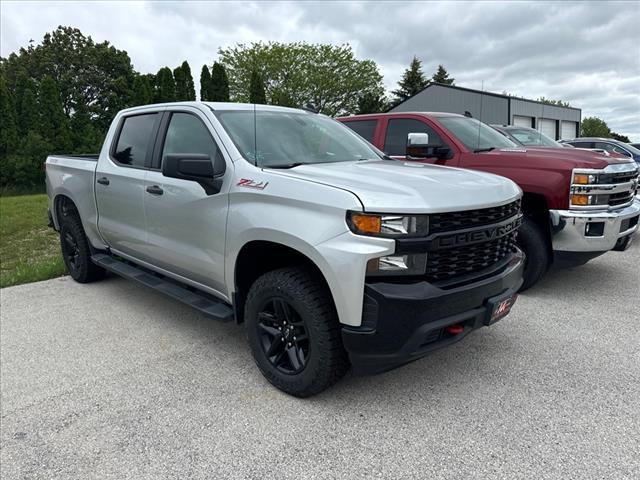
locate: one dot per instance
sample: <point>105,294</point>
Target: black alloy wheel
<point>70,249</point>
<point>283,336</point>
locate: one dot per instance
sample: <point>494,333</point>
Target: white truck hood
<point>390,186</point>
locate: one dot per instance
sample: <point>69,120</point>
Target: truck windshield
<point>533,138</point>
<point>281,139</point>
<point>474,134</point>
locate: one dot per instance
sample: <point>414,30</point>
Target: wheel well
<point>259,257</point>
<point>534,207</point>
<point>64,207</point>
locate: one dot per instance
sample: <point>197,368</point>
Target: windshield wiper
<point>488,149</point>
<point>287,165</point>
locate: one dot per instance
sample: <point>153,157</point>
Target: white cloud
<point>587,53</point>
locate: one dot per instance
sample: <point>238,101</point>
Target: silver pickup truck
<point>331,253</point>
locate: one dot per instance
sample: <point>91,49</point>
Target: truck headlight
<point>392,226</point>
<point>584,179</point>
<point>584,200</point>
<point>388,226</point>
<point>412,264</point>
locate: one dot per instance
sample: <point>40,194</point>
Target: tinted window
<point>582,144</point>
<point>365,128</point>
<point>134,142</point>
<point>474,134</point>
<point>395,142</point>
<point>605,146</point>
<point>187,134</point>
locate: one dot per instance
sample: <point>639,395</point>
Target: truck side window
<point>395,142</point>
<point>365,128</point>
<point>187,134</point>
<point>135,140</point>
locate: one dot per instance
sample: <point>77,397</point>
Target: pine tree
<point>165,86</point>
<point>84,136</point>
<point>189,89</point>
<point>219,84</point>
<point>181,84</point>
<point>256,88</point>
<point>205,84</point>
<point>8,131</point>
<point>28,112</point>
<point>142,91</point>
<point>412,82</point>
<point>54,124</point>
<point>442,76</point>
<point>371,103</point>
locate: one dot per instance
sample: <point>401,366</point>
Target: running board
<point>201,301</point>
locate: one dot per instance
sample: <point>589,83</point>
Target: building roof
<point>464,89</point>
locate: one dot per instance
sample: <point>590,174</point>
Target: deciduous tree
<point>329,77</point>
<point>594,127</point>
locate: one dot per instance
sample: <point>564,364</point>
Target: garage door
<point>548,127</point>
<point>568,130</point>
<point>520,121</point>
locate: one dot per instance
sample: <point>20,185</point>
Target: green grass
<point>29,250</point>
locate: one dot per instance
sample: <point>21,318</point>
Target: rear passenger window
<point>187,134</point>
<point>582,144</point>
<point>398,129</point>
<point>134,141</point>
<point>365,128</point>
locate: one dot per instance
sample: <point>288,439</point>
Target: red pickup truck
<point>577,204</point>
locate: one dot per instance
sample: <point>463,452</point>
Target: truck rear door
<point>185,225</point>
<point>120,183</point>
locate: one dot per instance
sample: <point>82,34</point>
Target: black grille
<point>446,222</point>
<point>621,198</point>
<point>620,177</point>
<point>457,261</point>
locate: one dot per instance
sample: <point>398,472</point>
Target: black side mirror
<point>197,168</point>
<point>418,147</point>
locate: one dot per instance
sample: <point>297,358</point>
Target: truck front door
<point>396,131</point>
<point>185,225</point>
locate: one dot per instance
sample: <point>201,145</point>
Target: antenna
<point>480,119</point>
<point>255,137</point>
<point>540,127</point>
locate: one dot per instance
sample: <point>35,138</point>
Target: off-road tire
<point>76,252</point>
<point>532,241</point>
<point>310,299</point>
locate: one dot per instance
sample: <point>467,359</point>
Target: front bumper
<point>405,321</point>
<point>569,228</point>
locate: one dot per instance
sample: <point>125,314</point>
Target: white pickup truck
<point>330,253</point>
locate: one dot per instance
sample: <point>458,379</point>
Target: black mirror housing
<point>197,168</point>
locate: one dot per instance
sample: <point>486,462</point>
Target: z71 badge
<point>249,183</point>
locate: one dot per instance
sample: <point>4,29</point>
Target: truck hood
<point>555,157</point>
<point>390,186</point>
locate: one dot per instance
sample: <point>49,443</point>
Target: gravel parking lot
<point>112,380</point>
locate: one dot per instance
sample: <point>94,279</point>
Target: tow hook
<point>455,329</point>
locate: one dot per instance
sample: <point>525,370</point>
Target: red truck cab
<point>577,204</point>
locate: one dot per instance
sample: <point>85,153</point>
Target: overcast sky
<point>587,53</point>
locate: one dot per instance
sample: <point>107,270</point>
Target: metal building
<point>555,121</point>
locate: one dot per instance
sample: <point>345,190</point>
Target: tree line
<point>60,95</point>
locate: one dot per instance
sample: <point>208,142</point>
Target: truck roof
<point>219,106</point>
<point>394,114</point>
